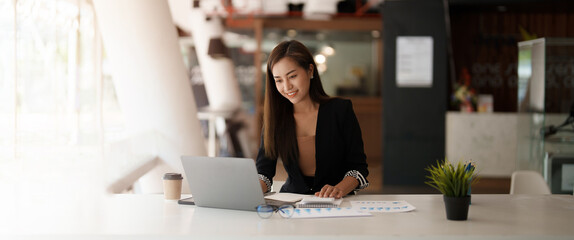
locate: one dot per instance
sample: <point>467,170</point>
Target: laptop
<point>223,182</point>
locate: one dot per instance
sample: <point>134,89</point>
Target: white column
<point>151,79</point>
<point>221,84</point>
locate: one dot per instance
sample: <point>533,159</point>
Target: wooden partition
<point>484,41</point>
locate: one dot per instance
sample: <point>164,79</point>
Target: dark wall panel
<point>413,118</point>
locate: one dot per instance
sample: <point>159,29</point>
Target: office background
<point>71,120</point>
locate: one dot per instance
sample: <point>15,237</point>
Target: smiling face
<point>291,80</point>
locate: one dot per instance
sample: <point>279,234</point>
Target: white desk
<point>151,217</point>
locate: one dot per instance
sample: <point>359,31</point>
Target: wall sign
<point>414,61</point>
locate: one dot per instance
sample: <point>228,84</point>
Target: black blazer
<point>338,150</point>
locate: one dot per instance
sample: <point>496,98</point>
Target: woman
<point>317,137</point>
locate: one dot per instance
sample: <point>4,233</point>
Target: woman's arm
<point>355,157</point>
<point>265,168</point>
<point>355,163</point>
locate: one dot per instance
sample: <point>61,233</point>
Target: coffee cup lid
<point>172,176</point>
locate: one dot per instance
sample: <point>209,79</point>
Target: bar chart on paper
<point>383,206</point>
<point>328,212</point>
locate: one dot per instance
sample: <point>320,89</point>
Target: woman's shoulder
<point>336,102</point>
<point>335,111</point>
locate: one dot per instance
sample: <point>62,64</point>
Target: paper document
<point>286,197</point>
<point>414,61</point>
<point>382,206</point>
<point>328,212</point>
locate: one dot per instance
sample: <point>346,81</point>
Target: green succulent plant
<point>451,180</point>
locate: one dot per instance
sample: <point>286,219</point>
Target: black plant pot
<point>456,207</point>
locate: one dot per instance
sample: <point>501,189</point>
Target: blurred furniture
<point>528,182</point>
<point>212,116</point>
<point>488,139</point>
<point>559,172</point>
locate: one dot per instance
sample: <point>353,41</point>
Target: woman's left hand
<point>330,191</point>
<point>340,190</point>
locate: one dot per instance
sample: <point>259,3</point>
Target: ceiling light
<point>328,51</point>
<point>320,59</point>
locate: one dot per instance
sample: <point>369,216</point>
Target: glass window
<point>50,95</point>
<point>7,77</point>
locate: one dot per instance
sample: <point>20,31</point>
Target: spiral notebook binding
<point>317,205</point>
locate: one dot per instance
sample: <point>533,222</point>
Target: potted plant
<point>454,183</point>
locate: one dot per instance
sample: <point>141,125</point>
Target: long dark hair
<point>279,136</point>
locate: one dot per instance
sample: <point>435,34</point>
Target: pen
<point>469,167</point>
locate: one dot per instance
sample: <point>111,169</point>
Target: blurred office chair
<point>528,182</point>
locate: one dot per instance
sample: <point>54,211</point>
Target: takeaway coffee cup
<point>172,186</point>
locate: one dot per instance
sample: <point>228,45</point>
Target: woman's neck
<point>305,106</point>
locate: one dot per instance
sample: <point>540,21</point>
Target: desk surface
<point>150,217</point>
